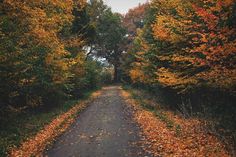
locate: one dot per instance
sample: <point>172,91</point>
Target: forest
<point>181,53</point>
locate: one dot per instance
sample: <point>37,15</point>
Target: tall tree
<point>111,39</point>
<point>95,9</point>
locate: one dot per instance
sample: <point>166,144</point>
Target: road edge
<point>36,145</point>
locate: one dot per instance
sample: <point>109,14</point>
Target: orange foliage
<point>41,21</point>
<point>173,79</point>
<point>201,43</point>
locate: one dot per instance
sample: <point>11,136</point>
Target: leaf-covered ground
<point>35,145</point>
<point>167,134</point>
<point>117,124</point>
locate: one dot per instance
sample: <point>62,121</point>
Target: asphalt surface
<point>104,129</point>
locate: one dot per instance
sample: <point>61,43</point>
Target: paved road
<point>104,129</point>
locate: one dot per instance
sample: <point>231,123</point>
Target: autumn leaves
<point>168,134</point>
<point>41,57</point>
<point>186,44</point>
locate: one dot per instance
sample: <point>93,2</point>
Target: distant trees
<point>135,19</point>
<point>110,35</point>
<point>47,47</point>
<point>133,22</point>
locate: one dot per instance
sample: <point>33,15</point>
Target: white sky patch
<point>123,6</point>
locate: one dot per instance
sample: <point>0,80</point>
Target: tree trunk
<point>116,74</point>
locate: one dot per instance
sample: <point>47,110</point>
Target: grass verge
<point>148,104</point>
<point>169,134</point>
<point>21,127</point>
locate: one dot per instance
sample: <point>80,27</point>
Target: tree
<point>111,38</point>
<point>34,62</point>
<point>133,21</point>
<point>188,44</point>
<point>94,9</point>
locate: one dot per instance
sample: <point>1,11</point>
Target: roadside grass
<point>219,126</point>
<point>168,132</point>
<point>18,127</point>
<point>149,104</point>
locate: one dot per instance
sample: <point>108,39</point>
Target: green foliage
<point>16,127</point>
<point>90,80</point>
<point>142,99</point>
<point>107,76</point>
<point>110,40</point>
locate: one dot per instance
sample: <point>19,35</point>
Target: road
<point>104,129</point>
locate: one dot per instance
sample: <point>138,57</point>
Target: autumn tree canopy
<point>41,46</point>
<point>187,44</point>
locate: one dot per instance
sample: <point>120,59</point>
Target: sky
<point>123,6</point>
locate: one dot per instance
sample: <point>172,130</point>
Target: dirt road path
<point>104,129</point>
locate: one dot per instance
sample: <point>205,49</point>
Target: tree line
<point>183,51</point>
<point>52,50</point>
<point>49,50</point>
<point>186,47</point>
<point>186,44</point>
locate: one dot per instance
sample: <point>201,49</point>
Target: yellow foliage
<point>173,79</point>
<point>137,73</point>
<point>144,46</point>
<point>39,23</point>
<point>170,28</point>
